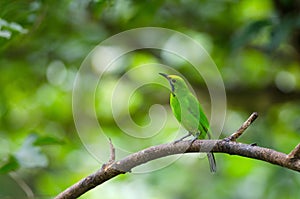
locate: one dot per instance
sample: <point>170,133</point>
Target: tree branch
<point>227,145</point>
<point>155,152</point>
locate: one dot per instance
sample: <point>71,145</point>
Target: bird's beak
<point>164,75</point>
<point>169,80</point>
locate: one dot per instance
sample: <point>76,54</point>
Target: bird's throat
<point>172,87</point>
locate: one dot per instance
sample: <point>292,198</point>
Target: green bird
<point>188,111</point>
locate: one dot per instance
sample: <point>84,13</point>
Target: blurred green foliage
<point>255,45</point>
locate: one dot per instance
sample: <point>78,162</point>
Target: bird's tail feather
<point>212,162</point>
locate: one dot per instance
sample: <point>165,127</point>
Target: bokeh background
<point>255,45</point>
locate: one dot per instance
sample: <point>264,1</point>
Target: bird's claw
<point>193,140</point>
<point>176,141</point>
<point>226,140</point>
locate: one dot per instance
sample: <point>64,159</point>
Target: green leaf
<point>47,140</point>
<point>249,32</point>
<point>281,32</point>
<point>11,164</point>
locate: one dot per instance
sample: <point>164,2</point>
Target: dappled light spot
<point>56,72</point>
<point>285,81</point>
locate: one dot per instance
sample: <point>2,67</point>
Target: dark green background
<point>255,45</point>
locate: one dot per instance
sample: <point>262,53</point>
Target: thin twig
<point>112,152</point>
<point>295,153</point>
<point>233,137</point>
<point>112,157</point>
<point>26,188</point>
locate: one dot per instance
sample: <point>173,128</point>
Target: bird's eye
<point>173,80</point>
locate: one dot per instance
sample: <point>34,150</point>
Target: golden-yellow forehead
<point>174,77</point>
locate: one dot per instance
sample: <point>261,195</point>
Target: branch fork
<point>295,153</point>
<point>233,137</point>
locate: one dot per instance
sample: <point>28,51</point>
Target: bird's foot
<point>226,140</point>
<point>176,141</point>
<point>193,140</point>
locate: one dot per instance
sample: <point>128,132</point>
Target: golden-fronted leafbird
<point>189,113</point>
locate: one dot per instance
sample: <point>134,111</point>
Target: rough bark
<point>227,145</point>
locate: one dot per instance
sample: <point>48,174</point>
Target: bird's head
<point>176,82</point>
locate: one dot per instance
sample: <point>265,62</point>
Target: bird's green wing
<point>196,110</point>
<point>189,113</point>
<point>180,106</point>
<point>175,106</point>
